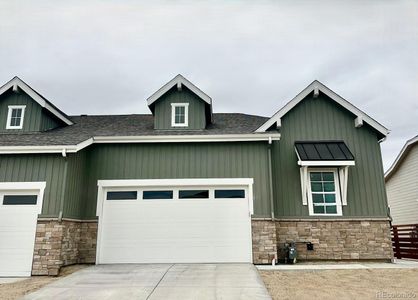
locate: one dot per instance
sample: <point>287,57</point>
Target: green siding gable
<point>36,118</point>
<point>162,110</point>
<point>322,119</point>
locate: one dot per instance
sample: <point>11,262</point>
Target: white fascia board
<point>316,85</point>
<point>176,81</point>
<point>187,138</point>
<point>45,149</point>
<point>400,156</point>
<point>176,182</point>
<point>17,82</point>
<point>139,139</point>
<point>326,163</point>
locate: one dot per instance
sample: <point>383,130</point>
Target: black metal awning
<point>323,151</point>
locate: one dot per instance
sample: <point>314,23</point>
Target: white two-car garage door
<point>174,221</point>
<point>20,204</point>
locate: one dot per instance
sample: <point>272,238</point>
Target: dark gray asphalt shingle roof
<point>86,127</point>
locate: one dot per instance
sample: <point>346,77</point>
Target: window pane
<point>329,187</point>
<point>179,110</point>
<point>194,194</point>
<point>19,199</point>
<point>315,176</point>
<point>229,194</point>
<point>157,195</point>
<point>328,176</point>
<point>329,198</point>
<point>15,121</point>
<point>318,209</point>
<point>318,198</point>
<point>179,119</point>
<point>129,195</point>
<point>316,187</point>
<point>15,112</point>
<point>331,209</point>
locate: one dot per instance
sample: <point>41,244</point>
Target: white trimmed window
<point>324,192</point>
<point>15,116</point>
<point>179,114</point>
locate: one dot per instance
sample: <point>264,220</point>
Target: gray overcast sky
<point>107,57</point>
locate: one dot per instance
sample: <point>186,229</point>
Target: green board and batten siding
<point>74,178</point>
<point>35,118</point>
<point>321,119</point>
<point>37,167</point>
<point>135,161</point>
<point>197,119</point>
<point>197,160</point>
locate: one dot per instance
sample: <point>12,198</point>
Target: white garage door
<point>20,204</point>
<point>181,221</point>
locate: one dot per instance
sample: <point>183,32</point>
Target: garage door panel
<point>174,252</point>
<point>181,230</point>
<point>17,236</point>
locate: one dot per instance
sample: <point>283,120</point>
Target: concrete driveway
<point>158,281</point>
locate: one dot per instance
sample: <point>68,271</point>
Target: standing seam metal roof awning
<point>328,152</point>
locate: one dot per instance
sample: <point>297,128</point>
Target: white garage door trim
<point>104,185</point>
<point>24,241</point>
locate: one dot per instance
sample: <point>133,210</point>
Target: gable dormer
<point>22,109</point>
<point>180,105</point>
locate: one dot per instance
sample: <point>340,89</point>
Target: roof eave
<point>316,87</point>
<point>251,137</point>
<point>16,81</point>
<point>404,151</point>
<point>178,80</point>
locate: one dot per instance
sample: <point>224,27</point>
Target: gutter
<point>140,139</point>
<point>270,170</point>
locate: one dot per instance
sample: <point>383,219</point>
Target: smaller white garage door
<point>20,204</point>
<point>175,221</point>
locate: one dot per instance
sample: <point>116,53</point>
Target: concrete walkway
<point>397,264</point>
<point>158,281</point>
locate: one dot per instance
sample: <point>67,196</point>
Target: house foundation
<point>66,242</point>
<point>62,243</point>
<point>337,239</point>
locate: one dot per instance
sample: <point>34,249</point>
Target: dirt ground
<point>15,290</point>
<point>342,284</point>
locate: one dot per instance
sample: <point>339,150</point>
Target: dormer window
<point>179,114</point>
<point>15,116</point>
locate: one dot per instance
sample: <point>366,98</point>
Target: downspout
<point>269,146</point>
<point>64,185</point>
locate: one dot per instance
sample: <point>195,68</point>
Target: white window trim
<point>9,116</point>
<point>173,114</point>
<point>337,192</point>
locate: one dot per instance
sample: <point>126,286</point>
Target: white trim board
<point>326,163</point>
<point>252,137</point>
<point>318,86</point>
<point>16,83</point>
<point>179,80</point>
<point>400,156</point>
